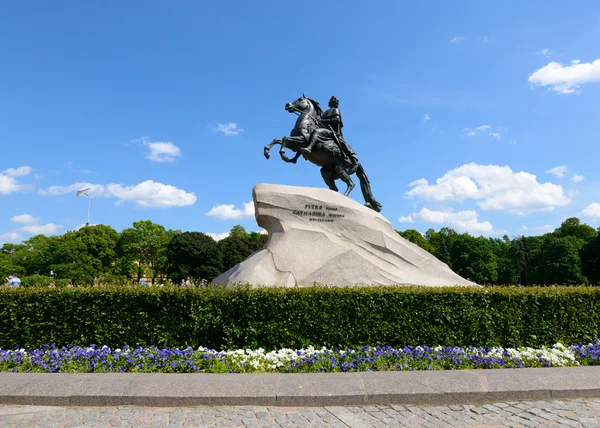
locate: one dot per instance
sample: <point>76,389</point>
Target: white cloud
<point>425,118</point>
<point>538,230</point>
<point>406,219</point>
<point>457,39</point>
<point>472,132</point>
<point>566,79</point>
<point>87,171</point>
<point>30,227</point>
<point>462,221</point>
<point>558,171</point>
<point>218,236</point>
<point>544,52</point>
<point>495,135</point>
<point>41,229</point>
<point>592,210</point>
<point>12,237</point>
<point>145,194</point>
<point>24,218</point>
<point>96,189</point>
<point>84,225</point>
<point>496,187</point>
<point>9,185</point>
<point>228,129</point>
<point>577,178</point>
<point>21,171</point>
<point>8,179</point>
<point>161,151</point>
<point>228,211</point>
<point>151,194</point>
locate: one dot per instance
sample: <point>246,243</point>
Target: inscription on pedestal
<point>319,213</point>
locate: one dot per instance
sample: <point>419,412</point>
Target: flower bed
<point>94,359</point>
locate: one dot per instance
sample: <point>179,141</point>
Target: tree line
<point>146,250</point>
<point>568,255</point>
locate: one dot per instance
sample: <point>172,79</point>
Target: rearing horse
<point>327,153</point>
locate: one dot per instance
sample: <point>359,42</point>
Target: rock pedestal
<point>320,236</point>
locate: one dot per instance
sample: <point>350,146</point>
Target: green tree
<point>36,254</point>
<point>473,258</point>
<point>32,257</point>
<point>12,259</point>
<point>101,242</point>
<point>573,227</point>
<point>84,254</point>
<point>70,261</point>
<point>415,237</point>
<point>257,241</point>
<point>234,249</point>
<point>238,246</point>
<point>502,249</point>
<point>558,261</point>
<point>238,230</point>
<point>441,243</point>
<point>143,249</point>
<point>590,259</point>
<point>524,253</point>
<point>195,255</point>
<point>6,266</point>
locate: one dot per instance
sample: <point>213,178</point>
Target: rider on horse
<point>331,121</point>
<point>335,157</point>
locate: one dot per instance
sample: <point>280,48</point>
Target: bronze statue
<point>331,122</point>
<point>318,137</point>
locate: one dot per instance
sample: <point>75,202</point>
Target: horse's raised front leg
<point>284,155</point>
<point>268,147</point>
<point>295,158</point>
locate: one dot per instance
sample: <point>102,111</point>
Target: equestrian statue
<point>318,137</point>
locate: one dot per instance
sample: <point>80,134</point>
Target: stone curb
<point>299,389</point>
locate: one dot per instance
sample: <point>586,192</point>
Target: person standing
<point>14,281</point>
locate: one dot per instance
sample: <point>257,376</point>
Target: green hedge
<point>273,317</point>
<point>42,281</point>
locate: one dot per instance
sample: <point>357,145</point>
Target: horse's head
<point>303,105</point>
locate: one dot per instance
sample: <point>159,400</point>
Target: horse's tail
<point>365,186</point>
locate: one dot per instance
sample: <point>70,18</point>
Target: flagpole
<point>89,204</point>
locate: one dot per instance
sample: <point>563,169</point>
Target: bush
<point>274,318</point>
<point>42,281</point>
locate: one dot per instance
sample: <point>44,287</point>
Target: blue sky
<point>480,116</point>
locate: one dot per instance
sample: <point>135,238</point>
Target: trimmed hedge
<point>273,318</point>
<point>42,281</point>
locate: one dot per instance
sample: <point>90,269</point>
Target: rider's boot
<point>307,150</point>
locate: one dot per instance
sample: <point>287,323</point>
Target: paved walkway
<point>551,413</point>
<point>419,388</point>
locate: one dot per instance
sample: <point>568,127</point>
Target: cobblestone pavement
<point>555,413</point>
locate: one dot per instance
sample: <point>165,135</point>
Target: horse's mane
<point>316,106</point>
